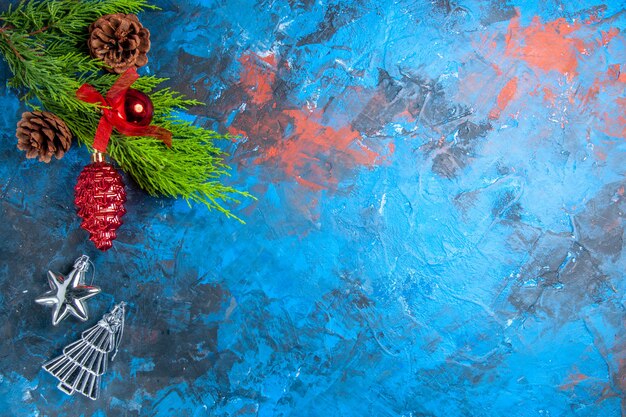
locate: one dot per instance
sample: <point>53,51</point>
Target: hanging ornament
<point>82,364</point>
<point>99,193</point>
<point>68,294</point>
<point>100,196</point>
<point>138,107</point>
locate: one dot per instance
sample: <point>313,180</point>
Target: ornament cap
<point>82,263</point>
<point>97,156</point>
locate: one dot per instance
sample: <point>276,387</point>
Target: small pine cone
<point>120,41</point>
<point>42,134</point>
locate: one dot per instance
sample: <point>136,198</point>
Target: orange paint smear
<point>504,98</point>
<point>549,47</point>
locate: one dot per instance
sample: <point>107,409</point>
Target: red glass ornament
<point>138,108</point>
<point>100,197</point>
<point>115,106</point>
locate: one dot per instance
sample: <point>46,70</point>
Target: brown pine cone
<point>120,41</point>
<point>42,134</point>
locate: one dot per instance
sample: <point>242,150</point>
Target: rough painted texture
<point>439,230</point>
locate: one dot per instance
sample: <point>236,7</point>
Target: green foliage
<point>45,46</point>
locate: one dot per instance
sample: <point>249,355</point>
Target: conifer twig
<point>44,44</point>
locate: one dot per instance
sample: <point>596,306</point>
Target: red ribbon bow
<point>113,112</point>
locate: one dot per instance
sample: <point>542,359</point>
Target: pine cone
<point>120,41</point>
<point>43,134</point>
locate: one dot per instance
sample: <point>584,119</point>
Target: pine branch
<point>65,17</point>
<point>44,44</point>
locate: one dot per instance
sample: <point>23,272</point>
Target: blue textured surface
<point>439,229</point>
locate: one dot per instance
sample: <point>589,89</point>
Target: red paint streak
<point>574,380</point>
<point>293,140</point>
<point>592,93</point>
<point>594,18</point>
<point>269,59</point>
<point>481,86</point>
<point>608,36</point>
<point>614,124</point>
<point>236,132</point>
<point>258,79</point>
<point>550,47</point>
<point>602,100</point>
<point>548,95</point>
<point>406,114</point>
<point>504,98</point>
<point>615,74</point>
<point>600,154</point>
<point>307,154</point>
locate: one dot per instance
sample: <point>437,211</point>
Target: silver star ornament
<point>67,295</point>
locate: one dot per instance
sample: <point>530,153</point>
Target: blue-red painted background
<point>439,228</point>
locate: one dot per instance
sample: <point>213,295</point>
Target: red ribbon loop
<point>113,113</point>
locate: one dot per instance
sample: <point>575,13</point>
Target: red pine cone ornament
<point>100,198</point>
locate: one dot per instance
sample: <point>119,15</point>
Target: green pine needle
<point>44,44</point>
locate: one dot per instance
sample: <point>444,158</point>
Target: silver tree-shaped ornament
<point>80,367</point>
